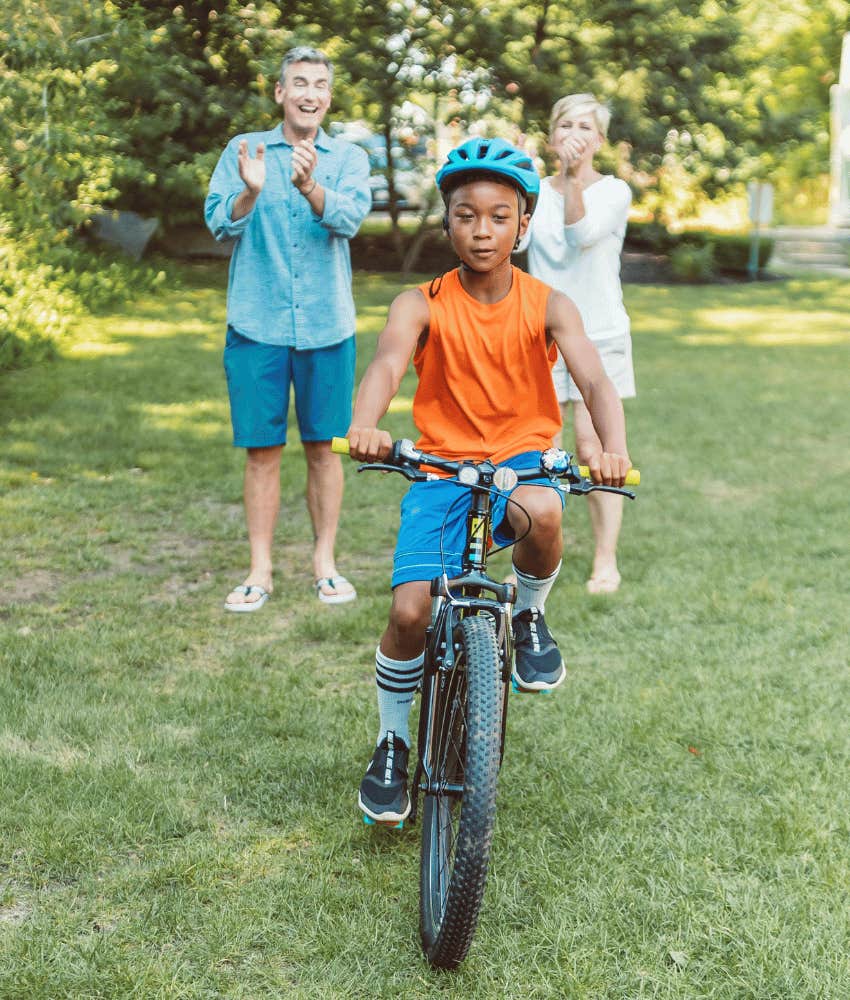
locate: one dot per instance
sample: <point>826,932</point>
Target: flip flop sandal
<point>246,589</point>
<point>334,583</point>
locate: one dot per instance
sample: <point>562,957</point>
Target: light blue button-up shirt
<point>290,273</point>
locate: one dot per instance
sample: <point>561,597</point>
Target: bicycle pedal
<point>390,824</point>
<point>522,690</point>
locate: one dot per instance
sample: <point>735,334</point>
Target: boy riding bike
<point>483,339</point>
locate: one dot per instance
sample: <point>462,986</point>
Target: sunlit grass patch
<point>165,327</point>
<point>93,348</point>
<point>201,418</point>
<point>770,327</point>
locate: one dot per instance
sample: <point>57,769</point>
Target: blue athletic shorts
<point>438,509</point>
<point>258,381</point>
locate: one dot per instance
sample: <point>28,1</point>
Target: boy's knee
<point>546,514</point>
<point>409,615</point>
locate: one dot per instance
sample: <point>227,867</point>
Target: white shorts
<point>616,355</point>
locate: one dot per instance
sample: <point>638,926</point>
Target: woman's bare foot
<point>604,581</point>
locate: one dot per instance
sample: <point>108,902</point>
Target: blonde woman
<point>574,244</point>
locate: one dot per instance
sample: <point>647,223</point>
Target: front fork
<point>440,660</point>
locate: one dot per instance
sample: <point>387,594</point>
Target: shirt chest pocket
<point>274,201</point>
<point>278,175</point>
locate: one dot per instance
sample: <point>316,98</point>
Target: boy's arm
<point>564,326</point>
<point>406,322</point>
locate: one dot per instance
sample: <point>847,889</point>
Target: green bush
<point>62,159</point>
<point>728,253</point>
<point>34,312</point>
<point>692,262</point>
<point>44,290</point>
<point>731,252</point>
<point>376,251</point>
<point>650,237</point>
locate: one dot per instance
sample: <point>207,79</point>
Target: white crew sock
<point>397,681</point>
<point>532,591</point>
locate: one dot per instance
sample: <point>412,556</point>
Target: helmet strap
<point>520,204</point>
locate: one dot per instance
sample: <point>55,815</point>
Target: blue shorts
<point>434,510</point>
<point>258,380</point>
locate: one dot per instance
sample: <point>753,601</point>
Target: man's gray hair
<point>305,53</point>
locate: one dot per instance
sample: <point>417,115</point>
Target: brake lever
<point>584,488</point>
<point>412,474</point>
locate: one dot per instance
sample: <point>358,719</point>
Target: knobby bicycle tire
<point>457,832</point>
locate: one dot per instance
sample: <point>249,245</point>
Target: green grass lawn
<point>178,814</point>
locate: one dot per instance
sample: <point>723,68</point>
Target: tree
<point>795,52</point>
<point>418,51</point>
<point>661,66</point>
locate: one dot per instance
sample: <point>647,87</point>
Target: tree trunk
<point>422,230</point>
<point>540,32</point>
<point>392,194</point>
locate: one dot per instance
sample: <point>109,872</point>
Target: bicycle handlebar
<point>632,476</point>
<point>407,459</point>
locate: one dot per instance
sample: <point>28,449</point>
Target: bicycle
<point>465,685</point>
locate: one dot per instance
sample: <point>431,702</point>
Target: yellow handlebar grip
<point>340,446</point>
<point>632,476</point>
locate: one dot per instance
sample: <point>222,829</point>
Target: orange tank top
<point>485,381</point>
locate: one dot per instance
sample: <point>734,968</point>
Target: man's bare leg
<point>262,502</point>
<point>324,502</point>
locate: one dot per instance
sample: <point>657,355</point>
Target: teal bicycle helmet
<point>491,156</point>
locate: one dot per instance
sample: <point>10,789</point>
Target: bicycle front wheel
<point>458,814</point>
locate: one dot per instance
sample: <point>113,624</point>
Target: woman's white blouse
<point>583,260</point>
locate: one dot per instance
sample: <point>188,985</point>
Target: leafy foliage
<point>663,67</point>
<point>63,157</point>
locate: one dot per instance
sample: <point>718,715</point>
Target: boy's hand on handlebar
<point>369,444</point>
<point>609,468</point>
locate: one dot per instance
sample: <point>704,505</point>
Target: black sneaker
<point>383,791</point>
<point>538,665</point>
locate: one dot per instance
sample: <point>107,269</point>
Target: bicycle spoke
<point>451,742</point>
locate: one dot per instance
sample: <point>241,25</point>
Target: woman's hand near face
<point>572,151</point>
